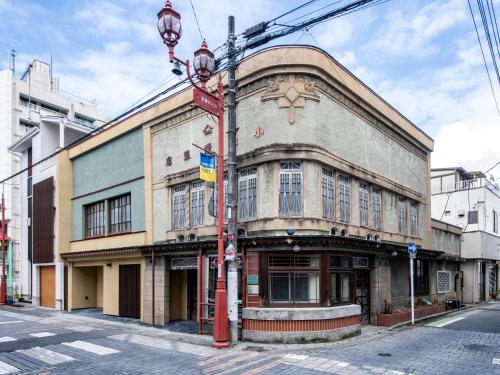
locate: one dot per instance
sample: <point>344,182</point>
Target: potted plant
<point>16,295</point>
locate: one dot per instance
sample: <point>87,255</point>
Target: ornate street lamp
<point>169,26</point>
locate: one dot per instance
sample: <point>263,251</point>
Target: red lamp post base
<point>221,326</point>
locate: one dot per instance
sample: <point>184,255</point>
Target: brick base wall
<point>388,320</point>
<point>300,325</point>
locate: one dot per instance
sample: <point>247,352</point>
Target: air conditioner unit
<point>461,213</point>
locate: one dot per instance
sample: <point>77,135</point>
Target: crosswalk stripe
<point>42,334</point>
<point>443,322</point>
<point>144,340</point>
<point>92,348</point>
<point>11,321</point>
<point>46,355</point>
<point>5,368</point>
<point>7,339</point>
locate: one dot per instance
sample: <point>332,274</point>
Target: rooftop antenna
<point>12,64</point>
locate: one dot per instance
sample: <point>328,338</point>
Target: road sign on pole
<point>412,252</point>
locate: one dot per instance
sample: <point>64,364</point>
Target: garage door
<point>130,295</point>
<point>47,286</point>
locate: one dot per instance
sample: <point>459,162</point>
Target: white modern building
<point>24,104</point>
<point>471,201</point>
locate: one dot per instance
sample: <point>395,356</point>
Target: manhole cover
<point>384,354</point>
<point>483,348</point>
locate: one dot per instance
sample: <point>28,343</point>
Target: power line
<point>492,167</point>
<point>484,58</point>
<point>486,29</point>
<point>196,19</point>
<point>293,10</point>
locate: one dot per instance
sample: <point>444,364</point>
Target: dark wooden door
<point>130,294</point>
<point>361,286</point>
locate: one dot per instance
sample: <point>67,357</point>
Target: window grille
<point>414,219</point>
<point>120,214</point>
<point>197,203</point>
<point>185,263</point>
<point>294,261</point>
<point>360,262</point>
<point>328,183</point>
<point>290,202</point>
<point>94,219</point>
<point>345,199</point>
<point>248,194</point>
<point>402,215</point>
<point>443,281</point>
<point>377,209</point>
<point>364,198</point>
<point>178,202</point>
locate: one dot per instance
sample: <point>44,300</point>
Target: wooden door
<point>47,286</point>
<point>129,293</point>
<point>361,286</point>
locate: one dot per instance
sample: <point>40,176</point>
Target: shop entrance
<point>361,293</point>
<point>183,289</point>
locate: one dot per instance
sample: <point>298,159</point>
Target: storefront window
<point>340,283</point>
<point>294,279</point>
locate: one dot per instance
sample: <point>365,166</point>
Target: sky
<point>422,57</point>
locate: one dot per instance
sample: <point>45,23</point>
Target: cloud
<point>414,34</point>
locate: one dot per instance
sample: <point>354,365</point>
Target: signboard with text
<point>206,101</point>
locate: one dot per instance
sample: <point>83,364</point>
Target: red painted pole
<point>3,286</point>
<point>221,327</point>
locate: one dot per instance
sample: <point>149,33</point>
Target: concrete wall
<point>448,242</point>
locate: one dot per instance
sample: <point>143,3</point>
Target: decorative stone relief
<point>207,130</point>
<point>259,132</point>
<point>291,92</point>
<point>168,162</point>
<point>187,155</point>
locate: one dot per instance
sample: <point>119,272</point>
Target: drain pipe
<point>153,283</point>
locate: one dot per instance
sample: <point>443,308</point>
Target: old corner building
<point>332,184</point>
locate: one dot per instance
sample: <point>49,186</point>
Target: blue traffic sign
<point>412,248</point>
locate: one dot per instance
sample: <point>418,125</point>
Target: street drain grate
<point>384,354</point>
<point>483,348</point>
<point>254,349</point>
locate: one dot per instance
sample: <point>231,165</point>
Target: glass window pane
<point>280,287</point>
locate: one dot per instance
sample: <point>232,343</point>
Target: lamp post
<point>169,26</point>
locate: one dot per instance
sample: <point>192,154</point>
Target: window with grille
<point>364,199</point>
<point>443,281</point>
<point>328,184</point>
<point>120,217</point>
<point>247,194</point>
<point>197,203</point>
<point>360,262</point>
<point>414,219</point>
<point>294,279</point>
<point>213,203</point>
<point>94,220</point>
<point>345,199</point>
<point>401,215</point>
<point>290,201</point>
<point>377,209</point>
<point>178,203</point>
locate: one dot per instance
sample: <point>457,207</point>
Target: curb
<point>424,318</point>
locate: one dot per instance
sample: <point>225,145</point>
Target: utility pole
<point>232,198</point>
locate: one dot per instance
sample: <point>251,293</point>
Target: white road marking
<point>144,340</point>
<point>11,321</point>
<point>445,322</point>
<point>46,355</point>
<point>298,357</point>
<point>7,339</point>
<point>495,361</point>
<point>81,328</point>
<point>92,348</point>
<point>42,334</point>
<point>5,368</point>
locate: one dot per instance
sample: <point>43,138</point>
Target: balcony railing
<point>467,185</point>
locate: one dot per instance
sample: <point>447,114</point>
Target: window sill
<point>107,236</point>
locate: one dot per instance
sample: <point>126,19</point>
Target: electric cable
<point>196,19</point>
<point>486,30</point>
<point>484,58</point>
<point>492,167</point>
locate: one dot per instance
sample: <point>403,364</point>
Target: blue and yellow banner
<point>207,167</point>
